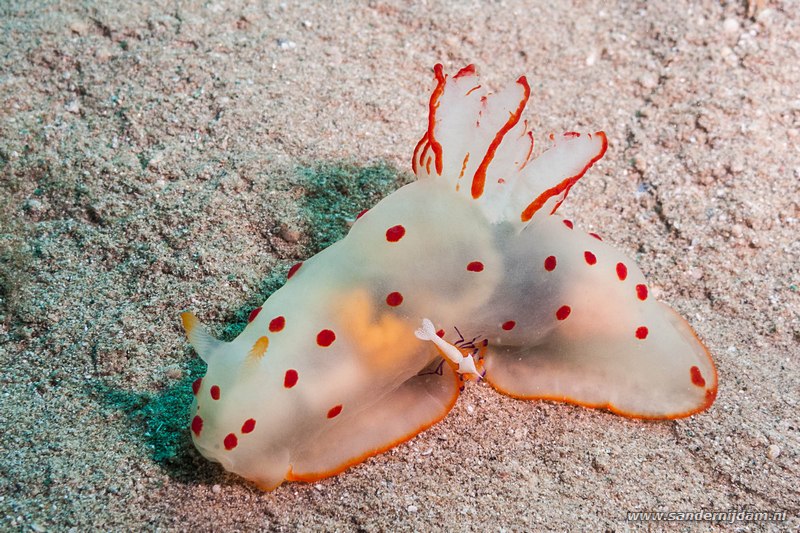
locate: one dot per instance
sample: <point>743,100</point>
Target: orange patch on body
<point>189,321</point>
<point>380,339</point>
<point>259,348</point>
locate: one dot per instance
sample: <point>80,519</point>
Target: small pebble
<point>286,44</point>
<point>648,81</point>
<point>773,451</point>
<point>412,508</point>
<point>102,54</point>
<point>640,163</point>
<point>289,235</point>
<point>216,489</point>
<point>731,25</point>
<point>32,205</point>
<point>79,27</point>
<point>600,463</point>
<point>591,59</point>
<point>765,16</point>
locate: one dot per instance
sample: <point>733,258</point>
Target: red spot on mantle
<point>253,314</point>
<point>294,269</point>
<point>550,263</point>
<point>334,411</point>
<point>509,325</point>
<point>641,292</point>
<point>277,324</point>
<point>196,385</point>
<point>591,259</point>
<point>290,379</point>
<point>568,223</point>
<point>697,377</point>
<point>563,312</point>
<point>362,213</point>
<point>395,233</point>
<point>249,425</point>
<point>215,392</point>
<point>475,266</point>
<point>230,441</point>
<point>394,299</point>
<point>325,338</point>
<point>622,271</point>
<point>197,425</point>
<point>641,332</point>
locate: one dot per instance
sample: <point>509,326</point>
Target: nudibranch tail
<point>200,339</point>
<point>605,342</point>
<point>480,144</point>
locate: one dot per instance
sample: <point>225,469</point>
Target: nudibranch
<point>362,348</point>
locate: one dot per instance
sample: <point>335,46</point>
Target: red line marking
<point>469,70</point>
<point>464,166</point>
<point>437,93</point>
<point>530,151</point>
<point>416,151</point>
<point>479,180</point>
<point>564,186</point>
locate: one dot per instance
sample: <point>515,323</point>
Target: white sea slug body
<point>335,366</point>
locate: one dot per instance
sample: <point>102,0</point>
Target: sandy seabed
<point>156,159</point>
